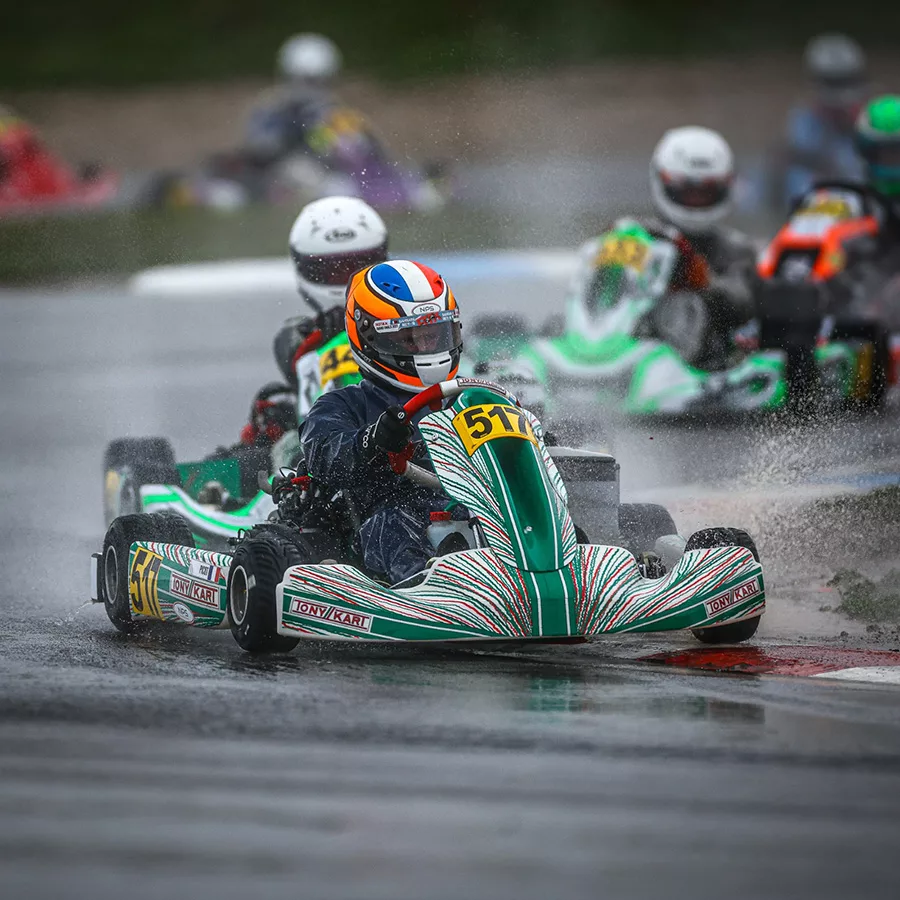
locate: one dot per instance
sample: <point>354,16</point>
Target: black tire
<point>642,524</point>
<point>121,534</point>
<point>880,363</point>
<point>130,463</point>
<point>259,564</point>
<point>734,632</point>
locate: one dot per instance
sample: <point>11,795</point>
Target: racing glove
<point>389,433</point>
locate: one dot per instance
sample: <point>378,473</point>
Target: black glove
<point>331,323</point>
<point>390,433</point>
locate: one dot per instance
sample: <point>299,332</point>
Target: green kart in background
<point>627,345</point>
<point>219,496</point>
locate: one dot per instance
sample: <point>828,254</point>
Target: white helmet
<point>835,60</point>
<point>691,175</point>
<point>330,240</point>
<point>309,57</point>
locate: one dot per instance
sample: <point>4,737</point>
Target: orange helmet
<point>403,325</point>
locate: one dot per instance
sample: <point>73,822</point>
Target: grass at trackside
<point>866,599</point>
<point>116,243</point>
<point>870,521</point>
<point>119,243</point>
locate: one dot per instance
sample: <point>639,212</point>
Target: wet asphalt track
<point>172,765</point>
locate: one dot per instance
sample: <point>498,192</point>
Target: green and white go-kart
<point>528,574</point>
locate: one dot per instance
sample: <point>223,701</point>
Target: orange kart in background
<point>33,180</point>
<point>822,297</point>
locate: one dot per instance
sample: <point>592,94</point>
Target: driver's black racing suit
<point>721,266</point>
<point>296,330</point>
<point>395,513</point>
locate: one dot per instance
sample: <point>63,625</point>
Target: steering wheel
<point>433,396</point>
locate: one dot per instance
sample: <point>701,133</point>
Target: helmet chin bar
<point>320,297</point>
<point>433,368</point>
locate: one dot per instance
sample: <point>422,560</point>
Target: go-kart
<point>333,152</point>
<point>218,496</point>
<point>34,180</point>
<point>825,311</point>
<point>527,572</point>
<point>646,350</point>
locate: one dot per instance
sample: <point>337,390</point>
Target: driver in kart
<point>330,239</point>
<point>307,65</point>
<point>405,333</point>
<point>691,181</point>
<point>878,142</point>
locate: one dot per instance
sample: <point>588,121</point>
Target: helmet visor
<point>335,269</point>
<point>411,337</point>
<point>694,193</point>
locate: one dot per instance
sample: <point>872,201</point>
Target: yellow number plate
<point>335,363</point>
<point>479,424</point>
<point>833,207</point>
<point>626,252</point>
<point>142,583</point>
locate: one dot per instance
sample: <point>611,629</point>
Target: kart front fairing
<point>530,579</point>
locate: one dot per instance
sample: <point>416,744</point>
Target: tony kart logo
<point>195,591</point>
<point>731,598</point>
<point>359,621</point>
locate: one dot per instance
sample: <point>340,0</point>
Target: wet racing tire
<point>130,463</point>
<point>121,534</point>
<point>642,524</point>
<point>734,632</point>
<point>257,569</point>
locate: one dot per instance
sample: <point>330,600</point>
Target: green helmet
<point>878,142</point>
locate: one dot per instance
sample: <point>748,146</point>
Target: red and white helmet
<point>691,178</point>
<point>403,325</point>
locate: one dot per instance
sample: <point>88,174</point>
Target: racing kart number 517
<point>143,583</point>
<point>479,424</point>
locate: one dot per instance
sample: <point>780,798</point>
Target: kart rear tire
<point>734,632</point>
<point>259,564</point>
<point>130,463</point>
<point>121,534</point>
<point>642,524</point>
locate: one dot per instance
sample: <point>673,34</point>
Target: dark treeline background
<point>51,43</point>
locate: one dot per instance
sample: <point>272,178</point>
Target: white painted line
<point>276,275</point>
<point>872,674</point>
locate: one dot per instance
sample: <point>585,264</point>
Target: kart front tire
<point>733,632</point>
<point>121,534</point>
<point>258,566</point>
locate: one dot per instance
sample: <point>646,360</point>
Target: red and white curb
<point>871,666</point>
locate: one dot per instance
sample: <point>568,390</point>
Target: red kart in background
<point>34,180</point>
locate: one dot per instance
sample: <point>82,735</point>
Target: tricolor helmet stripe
<point>406,281</point>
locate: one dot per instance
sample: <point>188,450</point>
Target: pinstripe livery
<point>475,596</point>
<point>174,584</point>
<point>533,581</point>
<point>479,483</point>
